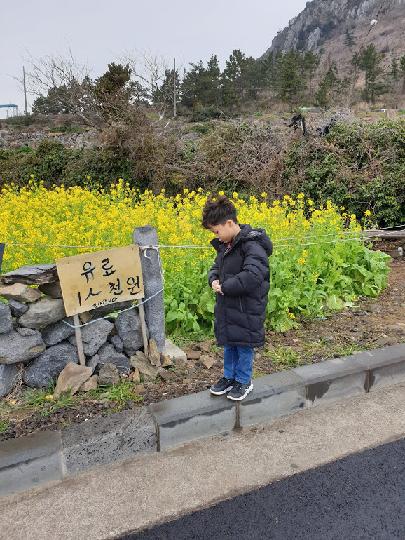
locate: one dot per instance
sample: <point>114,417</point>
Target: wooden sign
<point>91,280</point>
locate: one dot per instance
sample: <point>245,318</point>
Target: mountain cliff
<point>337,28</point>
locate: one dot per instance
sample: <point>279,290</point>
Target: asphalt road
<point>361,496</point>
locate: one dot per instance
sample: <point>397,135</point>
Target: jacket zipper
<point>240,303</point>
<point>226,253</point>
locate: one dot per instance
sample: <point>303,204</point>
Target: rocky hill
<point>338,28</point>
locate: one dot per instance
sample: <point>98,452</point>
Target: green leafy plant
<point>4,425</point>
<point>284,357</point>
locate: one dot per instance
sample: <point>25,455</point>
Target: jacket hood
<point>249,234</point>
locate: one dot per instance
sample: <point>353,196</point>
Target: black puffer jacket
<point>243,272</point>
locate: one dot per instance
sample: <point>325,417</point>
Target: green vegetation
<point>359,166</point>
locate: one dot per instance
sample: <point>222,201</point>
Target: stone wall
<point>36,344</point>
<point>32,137</point>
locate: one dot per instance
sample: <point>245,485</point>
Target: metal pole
<point>174,89</point>
<point>25,93</point>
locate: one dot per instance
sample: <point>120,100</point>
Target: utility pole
<point>25,93</point>
<point>174,89</point>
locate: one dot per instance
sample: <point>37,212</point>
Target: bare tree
<point>46,74</point>
<point>150,71</point>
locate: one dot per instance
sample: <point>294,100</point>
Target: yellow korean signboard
<point>91,280</point>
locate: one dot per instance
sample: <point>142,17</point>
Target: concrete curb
<point>200,415</point>
<point>28,462</point>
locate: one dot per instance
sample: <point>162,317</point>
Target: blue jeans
<point>238,363</point>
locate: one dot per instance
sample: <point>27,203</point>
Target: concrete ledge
<point>30,461</point>
<point>273,396</point>
<point>352,375</point>
<point>191,417</point>
<point>103,440</point>
<point>333,379</point>
<point>385,366</point>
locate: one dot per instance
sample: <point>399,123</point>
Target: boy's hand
<point>216,286</point>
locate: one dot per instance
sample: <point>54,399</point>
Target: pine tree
<point>349,39</point>
<point>402,71</point>
<point>164,93</point>
<point>213,82</point>
<point>326,87</point>
<point>394,69</point>
<point>202,85</point>
<point>191,92</point>
<point>232,84</point>
<point>368,59</point>
<point>289,82</point>
<point>310,62</point>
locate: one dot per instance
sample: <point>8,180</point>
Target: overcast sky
<point>99,31</point>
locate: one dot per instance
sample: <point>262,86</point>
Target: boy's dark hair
<point>217,211</point>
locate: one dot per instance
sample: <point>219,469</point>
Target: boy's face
<point>224,232</point>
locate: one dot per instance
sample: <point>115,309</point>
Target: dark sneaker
<point>223,386</point>
<point>240,391</point>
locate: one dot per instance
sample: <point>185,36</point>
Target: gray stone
<point>71,378</point>
<point>108,375</point>
<point>15,347</point>
<point>20,293</point>
<point>43,313</point>
<point>17,308</point>
<point>45,369</point>
<point>6,321</point>
<point>109,308</point>
<point>153,283</point>
<point>165,374</point>
<point>173,351</point>
<point>154,354</point>
<point>95,335</point>
<point>31,275</point>
<point>51,289</point>
<point>384,341</point>
<point>25,332</point>
<point>207,361</point>
<point>8,377</point>
<point>27,462</point>
<point>399,328</point>
<point>166,361</point>
<point>191,417</point>
<point>93,362</point>
<point>108,355</point>
<point>57,332</point>
<point>139,361</point>
<point>128,325</point>
<point>118,343</point>
<point>104,440</point>
<point>90,384</point>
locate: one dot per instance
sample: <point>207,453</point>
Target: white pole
<point>174,89</point>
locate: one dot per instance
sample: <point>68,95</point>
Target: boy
<point>240,277</point>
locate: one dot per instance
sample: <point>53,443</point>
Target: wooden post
<point>2,246</point>
<point>79,342</point>
<point>143,326</point>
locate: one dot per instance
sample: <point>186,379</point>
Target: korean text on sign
<point>94,279</point>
